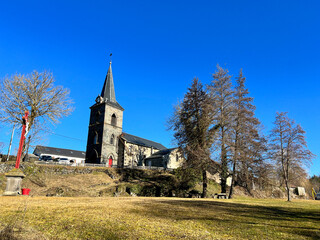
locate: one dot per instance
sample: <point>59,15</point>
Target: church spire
<point>108,87</point>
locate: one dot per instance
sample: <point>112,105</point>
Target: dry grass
<point>161,218</point>
<point>72,185</point>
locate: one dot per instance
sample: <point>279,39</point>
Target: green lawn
<point>159,218</point>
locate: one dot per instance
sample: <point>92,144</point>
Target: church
<point>108,144</point>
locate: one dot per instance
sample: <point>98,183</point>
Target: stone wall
<point>175,159</point>
<point>111,148</point>
<point>134,154</point>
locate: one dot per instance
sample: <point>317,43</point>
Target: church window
<point>95,139</point>
<point>112,139</point>
<point>113,120</point>
<point>177,158</point>
<point>97,117</point>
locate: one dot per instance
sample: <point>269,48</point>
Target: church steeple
<point>107,92</point>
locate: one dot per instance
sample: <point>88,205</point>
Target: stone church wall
<point>175,159</point>
<point>109,147</point>
<point>93,152</point>
<point>134,154</point>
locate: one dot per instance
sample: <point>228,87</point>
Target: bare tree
<point>36,93</point>
<point>191,123</point>
<point>221,97</point>
<point>288,147</point>
<point>246,142</point>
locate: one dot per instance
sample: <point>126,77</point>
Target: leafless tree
<point>36,93</point>
<point>245,140</point>
<point>221,97</point>
<point>288,147</point>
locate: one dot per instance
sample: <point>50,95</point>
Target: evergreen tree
<point>191,123</point>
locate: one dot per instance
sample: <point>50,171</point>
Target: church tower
<point>105,125</point>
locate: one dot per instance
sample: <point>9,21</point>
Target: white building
<point>73,156</point>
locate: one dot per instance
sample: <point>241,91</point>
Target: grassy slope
<point>161,218</point>
<point>93,182</point>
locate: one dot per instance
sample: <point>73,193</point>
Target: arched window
<point>177,158</point>
<point>95,139</point>
<point>112,139</point>
<point>113,120</point>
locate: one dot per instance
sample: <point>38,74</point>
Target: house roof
<point>58,151</point>
<point>161,153</point>
<point>141,141</point>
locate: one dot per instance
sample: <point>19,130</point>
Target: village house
<point>72,156</point>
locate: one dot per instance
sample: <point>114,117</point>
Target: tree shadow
<point>293,221</point>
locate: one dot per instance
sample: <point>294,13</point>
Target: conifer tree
<point>221,98</point>
<point>191,123</point>
<point>246,142</point>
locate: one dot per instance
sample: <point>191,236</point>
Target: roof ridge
<point>160,146</point>
<point>60,148</point>
<point>141,138</point>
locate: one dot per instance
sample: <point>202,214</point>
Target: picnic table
<point>221,196</point>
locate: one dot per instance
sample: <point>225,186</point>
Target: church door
<point>110,161</point>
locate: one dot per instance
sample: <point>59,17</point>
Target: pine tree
<point>221,97</point>
<point>191,123</point>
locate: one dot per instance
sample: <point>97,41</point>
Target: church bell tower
<point>105,125</point>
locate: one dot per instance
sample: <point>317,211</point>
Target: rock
<point>301,191</point>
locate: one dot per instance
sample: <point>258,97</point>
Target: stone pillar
<point>14,179</point>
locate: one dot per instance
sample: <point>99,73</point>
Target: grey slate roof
<point>58,151</point>
<point>108,87</point>
<point>116,105</point>
<point>141,141</point>
<point>161,153</point>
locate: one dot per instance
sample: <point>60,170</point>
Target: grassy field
<point>159,218</point>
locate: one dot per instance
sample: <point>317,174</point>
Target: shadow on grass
<point>297,222</point>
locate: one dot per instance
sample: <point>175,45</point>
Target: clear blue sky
<point>158,47</point>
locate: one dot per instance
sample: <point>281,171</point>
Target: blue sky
<point>158,47</point>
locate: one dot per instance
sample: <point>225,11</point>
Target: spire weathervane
<point>110,57</point>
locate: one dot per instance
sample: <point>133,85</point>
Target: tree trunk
<point>233,178</point>
<point>287,180</point>
<point>288,190</point>
<point>223,185</point>
<point>204,184</point>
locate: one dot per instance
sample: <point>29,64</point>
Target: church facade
<point>108,144</point>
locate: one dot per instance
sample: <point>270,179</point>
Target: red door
<point>110,161</point>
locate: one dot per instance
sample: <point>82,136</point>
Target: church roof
<point>58,151</point>
<point>108,93</point>
<point>108,87</point>
<point>141,141</point>
<point>161,153</point>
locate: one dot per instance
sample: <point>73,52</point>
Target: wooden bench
<point>221,196</point>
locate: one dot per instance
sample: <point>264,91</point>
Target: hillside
<point>47,180</point>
